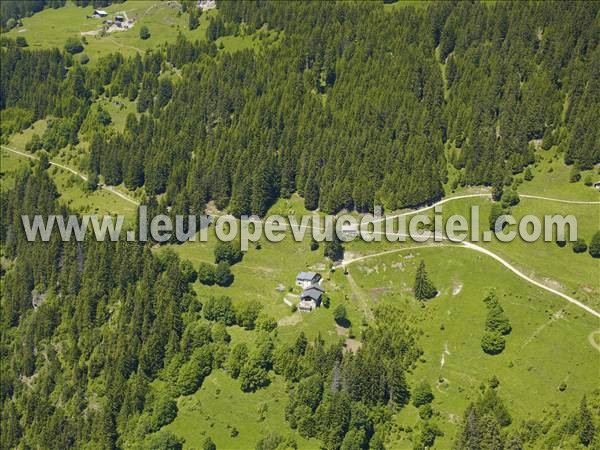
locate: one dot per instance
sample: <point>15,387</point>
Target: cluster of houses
<point>312,293</point>
<point>120,20</point>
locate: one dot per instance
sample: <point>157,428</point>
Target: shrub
<point>73,46</point>
<point>193,372</point>
<point>21,41</point>
<point>34,144</point>
<point>206,274</point>
<point>165,410</point>
<point>188,272</point>
<point>253,377</point>
<point>594,248</point>
<point>496,320</point>
<point>495,213</point>
<point>273,441</point>
<point>422,394</point>
<point>510,198</point>
<point>84,59</point>
<point>164,440</point>
<point>340,316</point>
<point>579,246</point>
<point>144,32</point>
<point>223,275</point>
<point>334,249</point>
<point>92,182</point>
<point>423,288</point>
<point>209,444</point>
<point>193,21</point>
<point>575,175</point>
<point>247,313</point>
<point>266,322</point>
<point>226,251</point>
<point>425,411</point>
<point>494,382</point>
<point>219,309</point>
<point>492,343</point>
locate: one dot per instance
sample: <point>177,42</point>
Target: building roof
<point>313,292</point>
<point>306,276</point>
<point>100,12</point>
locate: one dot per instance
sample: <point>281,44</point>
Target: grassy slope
<point>575,274</point>
<point>219,406</point>
<point>51,27</point>
<point>259,274</point>
<point>71,187</point>
<point>551,178</point>
<point>548,343</point>
<point>9,166</point>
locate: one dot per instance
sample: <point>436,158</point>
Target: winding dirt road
<point>110,189</point>
<point>505,263</point>
<point>468,245</point>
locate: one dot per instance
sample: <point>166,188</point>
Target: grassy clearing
<point>219,407</point>
<point>73,193</point>
<point>259,275</point>
<point>119,109</point>
<point>10,165</point>
<point>19,140</point>
<point>267,275</point>
<point>551,179</point>
<point>548,344</point>
<point>255,41</point>
<point>71,187</point>
<point>72,190</point>
<point>51,27</point>
<point>561,268</point>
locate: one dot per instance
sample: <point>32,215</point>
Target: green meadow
<point>52,27</point>
<point>551,179</point>
<point>548,344</point>
<point>230,417</point>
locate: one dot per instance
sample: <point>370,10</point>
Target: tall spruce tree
<point>423,288</point>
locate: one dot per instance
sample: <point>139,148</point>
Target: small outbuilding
<point>306,279</point>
